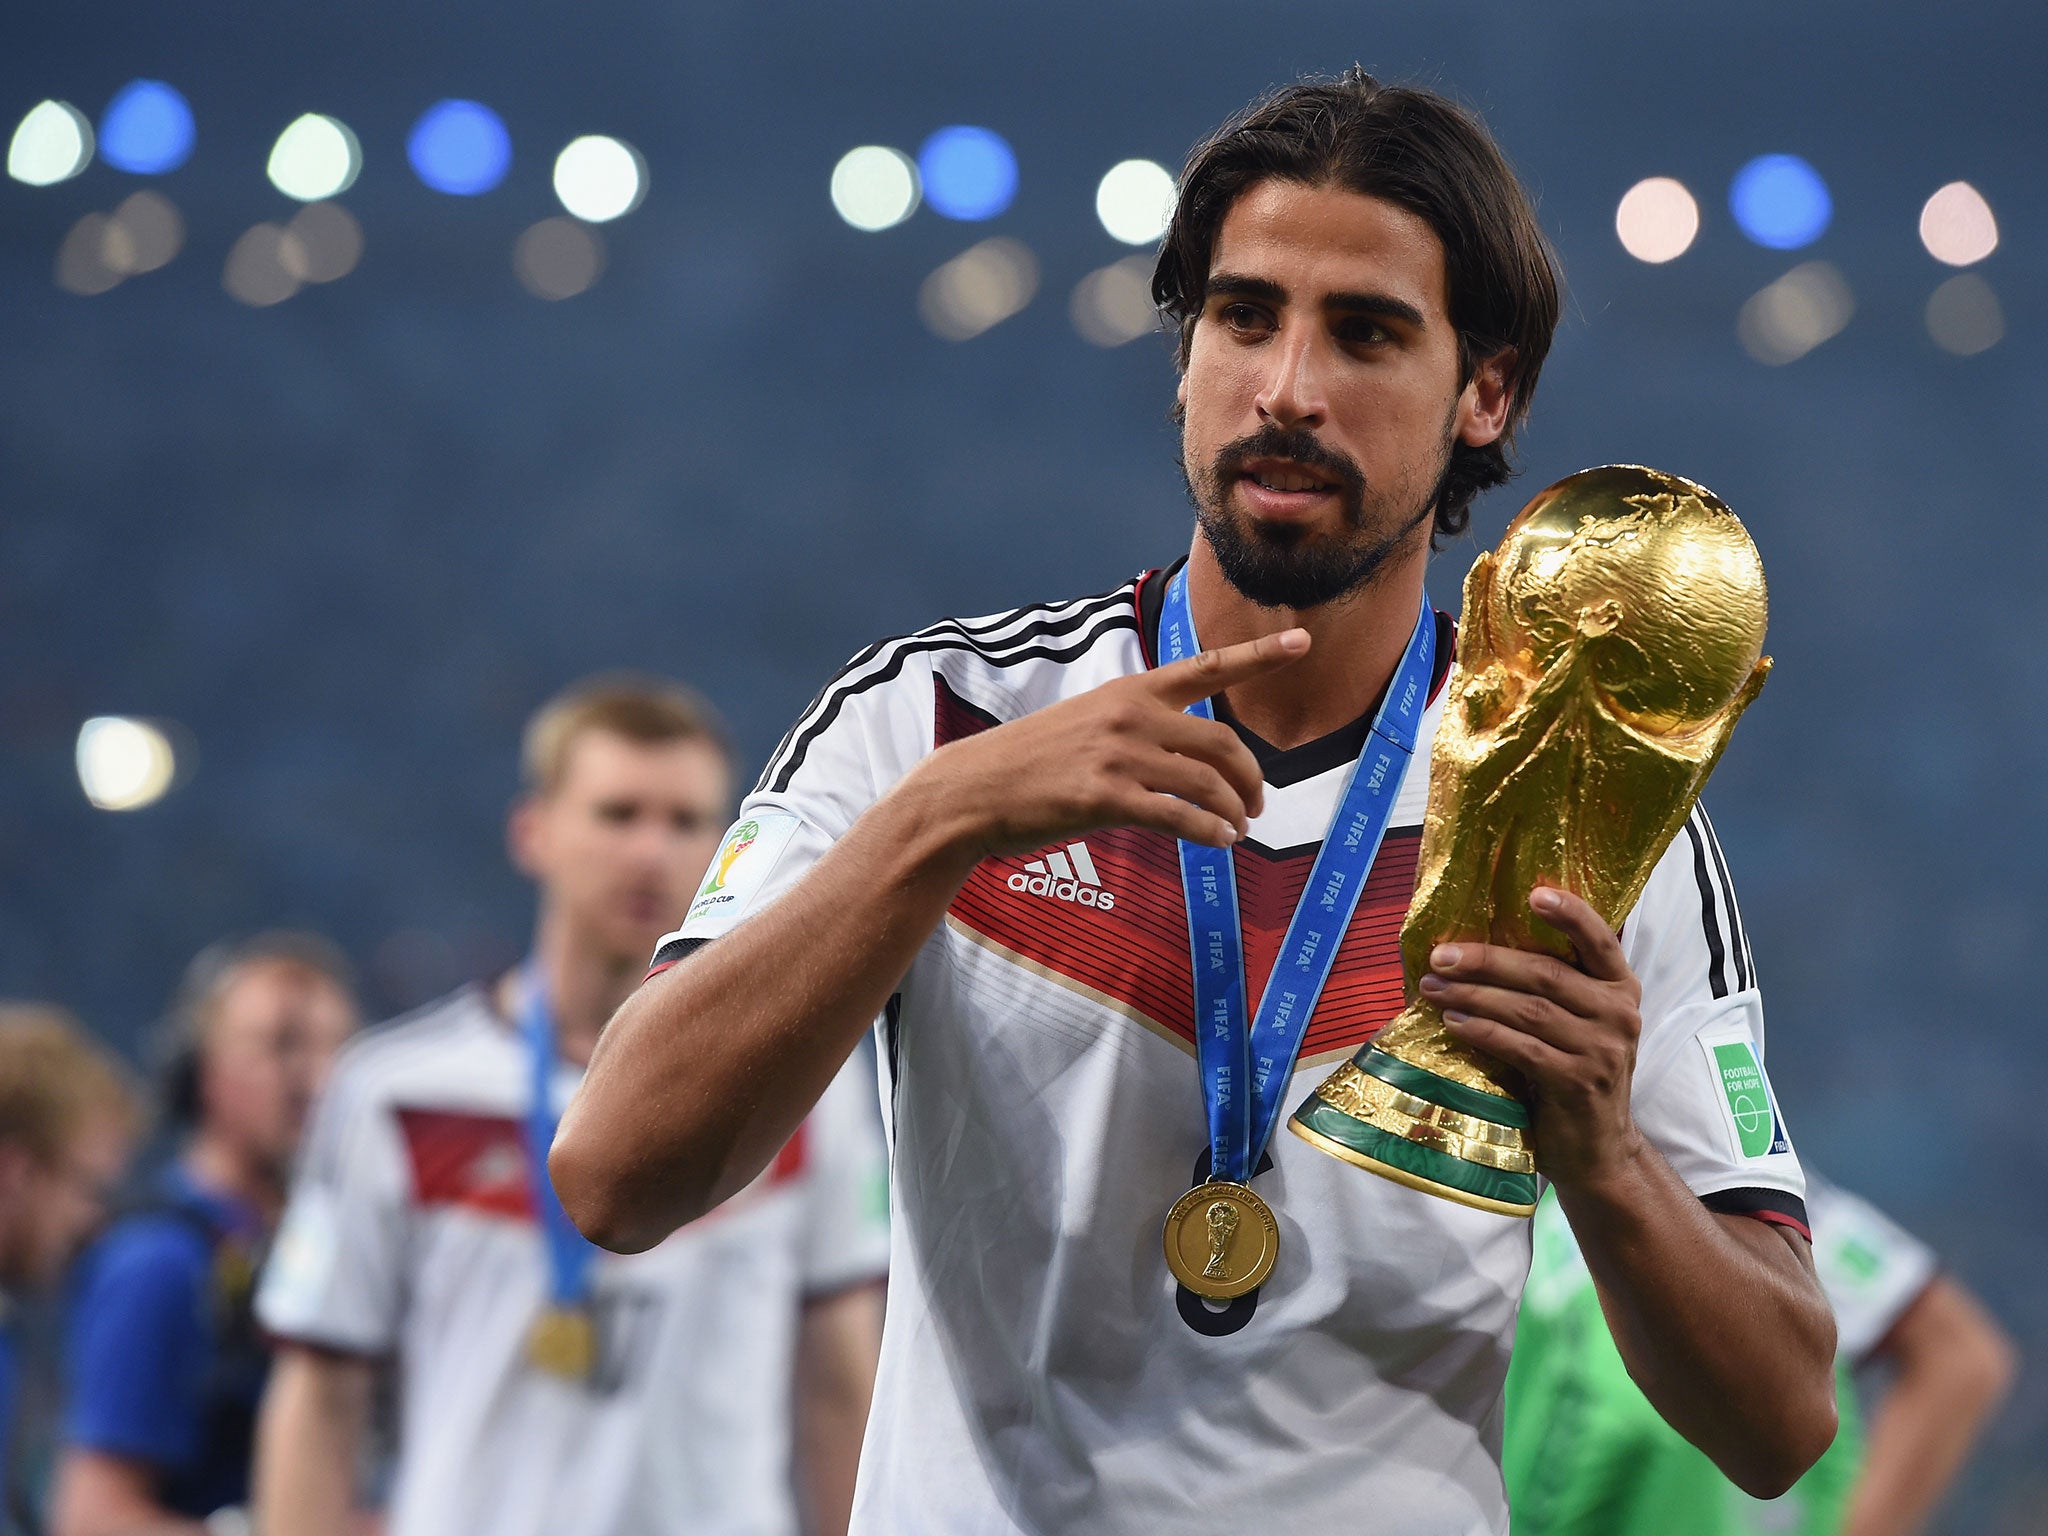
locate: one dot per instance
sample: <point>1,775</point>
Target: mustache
<point>1297,443</point>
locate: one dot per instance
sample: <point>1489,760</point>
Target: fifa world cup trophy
<point>1608,647</point>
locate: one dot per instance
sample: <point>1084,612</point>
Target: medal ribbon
<point>1245,1070</point>
<point>570,1254</point>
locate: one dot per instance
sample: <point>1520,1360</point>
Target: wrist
<point>1613,1176</point>
<point>940,831</point>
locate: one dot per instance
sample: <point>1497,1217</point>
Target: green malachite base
<point>1428,1168</point>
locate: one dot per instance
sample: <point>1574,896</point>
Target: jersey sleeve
<point>139,1345</point>
<point>1872,1269</point>
<point>846,1231</point>
<point>860,735</point>
<point>336,1273</point>
<point>1701,1094</point>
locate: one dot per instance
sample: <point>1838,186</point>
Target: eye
<point>1243,318</point>
<point>617,813</point>
<point>1362,332</point>
<point>687,821</point>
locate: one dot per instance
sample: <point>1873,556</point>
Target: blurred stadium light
<point>968,173</point>
<point>315,157</point>
<point>147,129</point>
<point>1780,202</point>
<point>983,286</point>
<point>1957,225</point>
<point>1964,316</point>
<point>1657,220</point>
<point>1135,201</point>
<point>599,179</point>
<point>323,242</point>
<point>124,764</point>
<point>1113,304</point>
<point>1790,317</point>
<point>558,258</point>
<point>460,147</point>
<point>875,187</point>
<point>52,143</point>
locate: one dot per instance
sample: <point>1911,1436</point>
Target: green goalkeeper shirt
<point>1586,1454</point>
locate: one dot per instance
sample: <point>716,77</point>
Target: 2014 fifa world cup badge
<point>741,867</point>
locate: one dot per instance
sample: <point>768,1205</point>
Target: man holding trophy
<point>1118,900</point>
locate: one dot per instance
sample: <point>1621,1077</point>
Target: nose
<point>1291,394</point>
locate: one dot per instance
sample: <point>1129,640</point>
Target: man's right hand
<point>1123,754</point>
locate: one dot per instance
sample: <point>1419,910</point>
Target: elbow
<point>601,1199</point>
<point>1779,1454</point>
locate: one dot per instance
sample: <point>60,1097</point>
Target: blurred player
<point>166,1366</point>
<point>547,1390</point>
<point>67,1121</point>
<point>1586,1454</point>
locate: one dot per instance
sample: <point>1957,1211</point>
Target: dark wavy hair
<point>1425,153</point>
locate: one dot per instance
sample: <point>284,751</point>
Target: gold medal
<point>1221,1240</point>
<point>564,1343</point>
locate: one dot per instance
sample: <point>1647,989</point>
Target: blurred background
<point>373,370</point>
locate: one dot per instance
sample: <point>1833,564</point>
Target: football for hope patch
<point>1747,1103</point>
<point>741,867</point>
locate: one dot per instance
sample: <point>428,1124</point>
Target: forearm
<point>706,1071</point>
<point>311,1425</point>
<point>1719,1319</point>
<point>835,1383</point>
<point>1954,1365</point>
<point>96,1494</point>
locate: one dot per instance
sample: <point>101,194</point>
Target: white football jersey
<point>1041,1372</point>
<point>1872,1268</point>
<point>411,1232</point>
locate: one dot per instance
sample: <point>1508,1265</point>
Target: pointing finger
<point>1600,954</point>
<point>1180,683</point>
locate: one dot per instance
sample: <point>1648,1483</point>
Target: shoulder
<point>405,1049</point>
<point>1016,658</point>
<point>1687,917</point>
<point>152,1252</point>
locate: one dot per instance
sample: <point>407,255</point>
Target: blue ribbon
<point>570,1254</point>
<point>1245,1070</point>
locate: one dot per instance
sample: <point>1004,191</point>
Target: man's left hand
<point>1569,1028</point>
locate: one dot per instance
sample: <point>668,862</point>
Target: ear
<point>1483,407</point>
<point>1180,394</point>
<point>526,836</point>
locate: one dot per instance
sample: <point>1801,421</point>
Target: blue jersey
<point>164,1364</point>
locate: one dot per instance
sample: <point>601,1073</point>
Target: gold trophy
<point>1608,647</point>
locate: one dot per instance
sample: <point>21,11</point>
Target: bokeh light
<point>460,147</point>
<point>982,286</point>
<point>1113,304</point>
<point>145,232</point>
<point>315,157</point>
<point>1780,202</point>
<point>1957,225</point>
<point>558,258</point>
<point>875,187</point>
<point>322,243</point>
<point>147,129</point>
<point>1964,315</point>
<point>92,257</point>
<point>124,764</point>
<point>153,228</point>
<point>1657,220</point>
<point>263,267</point>
<point>1135,201</point>
<point>968,173</point>
<point>1787,319</point>
<point>52,143</point>
<point>599,179</point>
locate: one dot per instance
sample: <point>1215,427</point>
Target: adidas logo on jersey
<point>1068,876</point>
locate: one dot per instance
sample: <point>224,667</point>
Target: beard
<point>1284,565</point>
